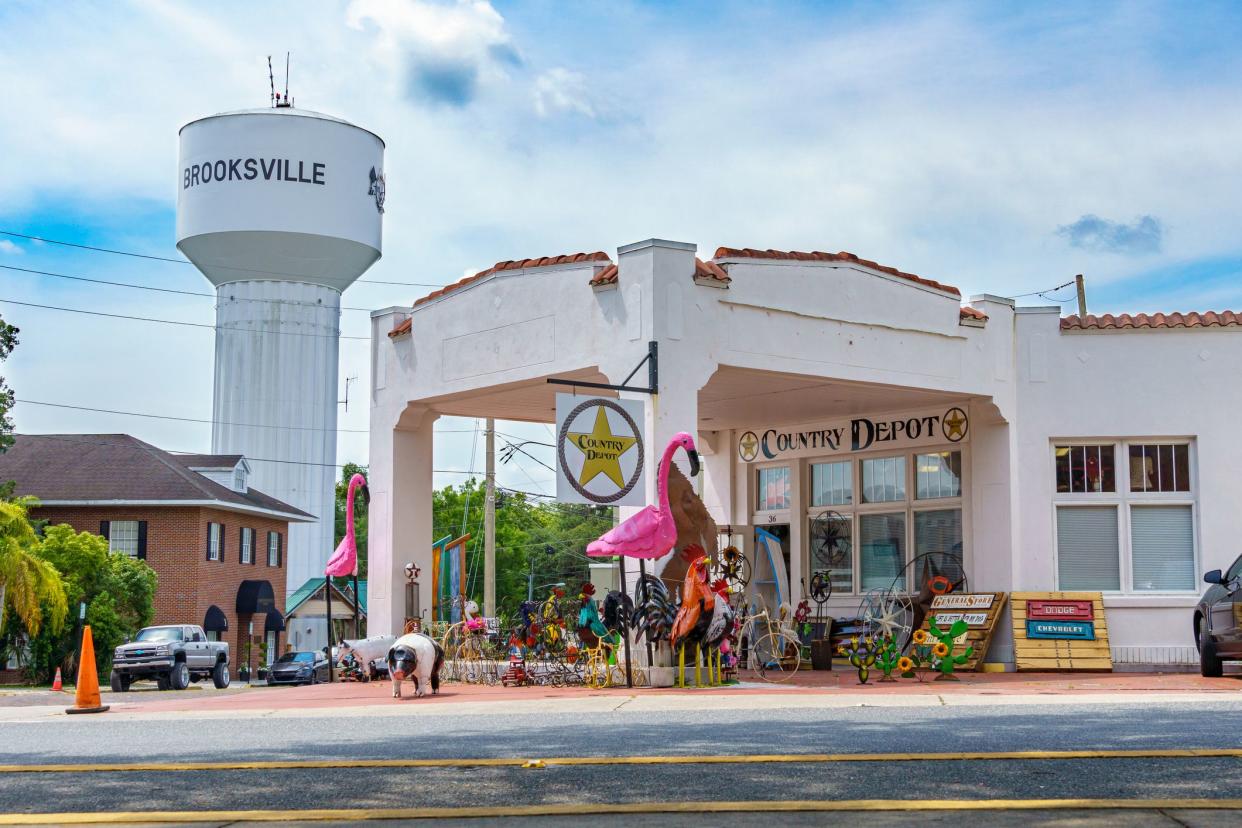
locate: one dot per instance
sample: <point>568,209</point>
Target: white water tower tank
<point>282,209</point>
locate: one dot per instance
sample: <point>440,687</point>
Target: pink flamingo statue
<point>651,533</point>
<point>344,560</point>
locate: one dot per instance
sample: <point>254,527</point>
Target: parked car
<point>172,654</point>
<point>1218,620</point>
<point>298,668</point>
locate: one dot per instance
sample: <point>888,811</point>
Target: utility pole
<point>1082,296</point>
<point>489,526</point>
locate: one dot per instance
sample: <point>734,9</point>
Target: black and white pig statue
<point>417,657</point>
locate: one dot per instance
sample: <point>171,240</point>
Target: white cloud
<point>10,248</point>
<point>560,90</point>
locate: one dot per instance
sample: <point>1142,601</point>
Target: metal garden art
<point>861,653</point>
<point>942,651</point>
<point>887,657</point>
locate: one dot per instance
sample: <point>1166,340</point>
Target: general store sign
<point>897,431</point>
<point>964,600</point>
<point>599,450</point>
<point>1072,630</point>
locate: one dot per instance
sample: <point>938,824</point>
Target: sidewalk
<point>808,689</point>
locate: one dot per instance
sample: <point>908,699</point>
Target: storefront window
<point>1163,547</point>
<point>884,480</point>
<point>832,484</point>
<point>832,549</point>
<point>1087,548</point>
<point>1151,520</point>
<point>938,475</point>
<point>1160,468</point>
<point>883,544</point>
<point>1082,469</point>
<point>773,489</point>
<point>938,537</point>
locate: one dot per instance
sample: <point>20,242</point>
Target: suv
<point>172,654</point>
<point>1218,620</point>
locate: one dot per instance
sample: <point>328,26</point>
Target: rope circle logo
<point>954,425</point>
<point>601,450</point>
<point>748,446</point>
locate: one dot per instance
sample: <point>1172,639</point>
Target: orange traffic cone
<point>56,685</point>
<point>88,681</point>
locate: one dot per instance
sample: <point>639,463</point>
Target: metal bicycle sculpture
<point>775,650</point>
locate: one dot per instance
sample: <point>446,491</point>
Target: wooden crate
<point>1056,654</point>
<point>979,637</point>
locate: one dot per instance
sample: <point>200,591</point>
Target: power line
<point>185,262</point>
<point>171,290</point>
<point>175,321</point>
<point>1042,292</point>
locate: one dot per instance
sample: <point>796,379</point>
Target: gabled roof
<point>308,590</point>
<point>1210,319</point>
<point>117,469</point>
<point>817,256</point>
<point>209,461</point>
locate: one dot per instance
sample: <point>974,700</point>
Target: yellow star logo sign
<point>954,424</point>
<point>748,446</point>
<point>602,450</point>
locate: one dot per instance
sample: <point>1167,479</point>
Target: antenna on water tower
<point>276,100</point>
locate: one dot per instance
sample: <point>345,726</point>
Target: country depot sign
<point>599,451</point>
<point>898,431</point>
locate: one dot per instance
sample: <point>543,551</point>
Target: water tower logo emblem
<point>377,189</point>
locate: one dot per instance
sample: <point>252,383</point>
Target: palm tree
<point>28,584</point>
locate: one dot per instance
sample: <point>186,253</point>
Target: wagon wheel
<point>888,613</point>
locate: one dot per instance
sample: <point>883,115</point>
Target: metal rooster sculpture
<point>654,610</point>
<point>698,603</point>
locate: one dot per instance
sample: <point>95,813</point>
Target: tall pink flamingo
<point>651,533</point>
<point>344,560</point>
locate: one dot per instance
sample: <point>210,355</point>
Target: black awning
<point>215,620</point>
<point>275,621</point>
<point>255,597</point>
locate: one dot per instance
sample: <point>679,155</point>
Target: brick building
<point>217,545</point>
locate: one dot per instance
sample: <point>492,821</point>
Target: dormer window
<point>239,479</point>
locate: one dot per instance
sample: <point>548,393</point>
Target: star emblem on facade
<point>748,446</point>
<point>954,424</point>
<point>602,450</point>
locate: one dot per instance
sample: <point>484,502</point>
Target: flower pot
<point>662,676</point>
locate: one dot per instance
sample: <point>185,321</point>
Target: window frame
<point>908,507</point>
<point>273,549</point>
<point>215,532</point>
<point>1123,499</point>
<point>764,517</point>
<point>246,544</point>
<point>112,524</point>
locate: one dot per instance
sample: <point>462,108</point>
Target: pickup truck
<point>172,654</point>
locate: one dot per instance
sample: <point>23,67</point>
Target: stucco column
<point>400,528</point>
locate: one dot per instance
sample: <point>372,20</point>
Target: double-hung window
<point>214,536</point>
<point>1125,516</point>
<point>247,545</point>
<point>273,549</point>
<point>123,537</point>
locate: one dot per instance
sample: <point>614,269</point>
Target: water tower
<point>282,209</point>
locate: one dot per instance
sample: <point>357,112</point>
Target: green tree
<point>525,532</point>
<point>119,593</point>
<point>31,590</point>
<point>360,514</point>
<point>8,341</point>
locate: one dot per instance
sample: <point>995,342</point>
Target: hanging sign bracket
<point>653,376</point>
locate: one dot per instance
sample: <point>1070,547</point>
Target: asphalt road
<point>698,731</point>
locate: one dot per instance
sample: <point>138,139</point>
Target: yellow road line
<point>599,809</point>
<point>720,759</point>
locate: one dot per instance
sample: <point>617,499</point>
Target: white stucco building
<point>1048,452</point>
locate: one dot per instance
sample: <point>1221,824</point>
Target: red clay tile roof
<point>402,328</point>
<point>518,264</point>
<point>967,312</point>
<point>702,270</point>
<point>1210,319</point>
<point>710,270</point>
<point>607,276</point>
<point>816,256</point>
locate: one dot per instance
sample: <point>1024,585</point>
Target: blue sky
<point>999,147</point>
